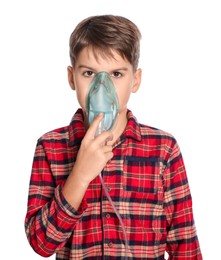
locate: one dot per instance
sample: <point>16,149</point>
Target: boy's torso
<point>134,181</point>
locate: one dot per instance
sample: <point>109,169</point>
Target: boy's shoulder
<point>148,134</point>
<point>153,133</point>
<point>150,130</point>
<point>71,133</point>
<point>58,134</point>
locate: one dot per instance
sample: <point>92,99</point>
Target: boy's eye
<point>116,74</point>
<point>89,73</point>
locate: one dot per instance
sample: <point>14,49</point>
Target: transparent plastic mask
<point>102,98</point>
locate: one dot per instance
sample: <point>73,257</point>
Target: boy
<point>69,212</point>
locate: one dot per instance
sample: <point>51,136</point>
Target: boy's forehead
<point>89,54</point>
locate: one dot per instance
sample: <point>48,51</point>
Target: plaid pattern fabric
<point>147,182</point>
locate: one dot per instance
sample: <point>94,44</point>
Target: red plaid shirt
<point>147,182</point>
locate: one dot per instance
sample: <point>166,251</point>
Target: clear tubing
<point>118,215</point>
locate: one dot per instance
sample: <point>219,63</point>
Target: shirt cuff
<point>66,207</point>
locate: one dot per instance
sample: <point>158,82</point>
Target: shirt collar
<point>77,128</point>
<point>133,128</point>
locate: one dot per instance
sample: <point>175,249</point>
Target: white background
<point>181,62</point>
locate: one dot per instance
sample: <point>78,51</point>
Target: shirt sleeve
<point>50,219</point>
<point>182,240</point>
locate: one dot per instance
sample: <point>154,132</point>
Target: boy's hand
<point>93,154</point>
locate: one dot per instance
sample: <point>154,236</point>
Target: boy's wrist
<point>78,178</point>
<point>74,190</point>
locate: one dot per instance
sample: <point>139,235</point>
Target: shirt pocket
<point>143,197</point>
<point>142,174</point>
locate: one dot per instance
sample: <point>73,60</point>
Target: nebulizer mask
<point>102,98</point>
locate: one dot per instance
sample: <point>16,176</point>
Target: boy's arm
<point>50,219</point>
<point>54,211</point>
<point>182,241</point>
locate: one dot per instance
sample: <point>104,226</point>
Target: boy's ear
<point>137,80</point>
<point>71,77</point>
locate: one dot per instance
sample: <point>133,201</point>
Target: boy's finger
<point>105,137</point>
<point>93,127</point>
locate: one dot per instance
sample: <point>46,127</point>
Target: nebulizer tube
<point>102,98</point>
<point>118,215</point>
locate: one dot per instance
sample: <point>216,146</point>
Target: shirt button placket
<point>109,243</point>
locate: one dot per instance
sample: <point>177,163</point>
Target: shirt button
<point>110,244</point>
<point>108,189</point>
<point>107,215</point>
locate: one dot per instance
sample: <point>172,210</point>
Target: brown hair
<point>104,34</point>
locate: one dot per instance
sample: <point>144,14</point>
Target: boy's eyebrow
<point>89,68</point>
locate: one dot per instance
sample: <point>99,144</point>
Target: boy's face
<point>125,80</point>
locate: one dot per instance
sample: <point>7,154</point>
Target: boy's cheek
<point>81,97</point>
